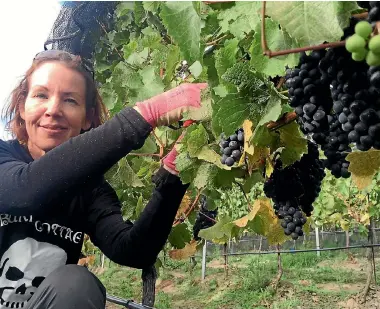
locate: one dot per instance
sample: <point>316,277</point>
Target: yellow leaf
<point>276,233</point>
<point>365,219</point>
<point>344,224</point>
<point>269,168</point>
<point>184,253</point>
<point>363,166</point>
<point>307,226</point>
<point>247,127</point>
<point>184,206</point>
<point>258,158</point>
<point>242,222</point>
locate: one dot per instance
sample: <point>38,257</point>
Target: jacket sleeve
<point>135,245</point>
<point>27,188</point>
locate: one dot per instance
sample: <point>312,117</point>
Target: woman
<point>52,189</point>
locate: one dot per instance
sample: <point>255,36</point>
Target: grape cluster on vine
<point>294,188</point>
<point>205,218</point>
<point>232,148</point>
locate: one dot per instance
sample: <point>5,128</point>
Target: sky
<point>24,27</point>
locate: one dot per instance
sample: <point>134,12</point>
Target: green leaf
<point>187,167</point>
<point>209,155</point>
<point>277,39</point>
<point>226,56</point>
<point>195,138</point>
<point>344,11</point>
<point>124,77</point>
<point>184,26</point>
<point>309,22</point>
<point>109,96</point>
<point>229,114</point>
<point>138,58</point>
<point>294,143</point>
<point>196,69</point>
<point>126,174</point>
<point>151,38</point>
<point>152,85</point>
<point>203,113</point>
<point>179,236</point>
<point>220,90</point>
<point>171,62</point>
<point>124,8</point>
<point>139,12</point>
<point>151,6</point>
<point>221,232</point>
<point>139,207</point>
<point>204,174</point>
<point>148,147</point>
<point>240,19</point>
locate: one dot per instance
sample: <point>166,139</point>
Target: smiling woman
<point>52,186</point>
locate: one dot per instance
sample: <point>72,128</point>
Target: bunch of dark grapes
<point>294,188</point>
<point>309,93</point>
<point>183,70</point>
<point>205,218</point>
<point>232,148</point>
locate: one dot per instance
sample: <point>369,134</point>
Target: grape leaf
<point>195,138</point>
<point>247,127</point>
<point>187,167</point>
<point>240,19</point>
<point>292,141</point>
<point>277,39</point>
<point>196,69</point>
<point>149,146</point>
<point>223,230</point>
<point>152,85</point>
<point>229,114</point>
<point>139,207</point>
<point>309,22</point>
<point>123,76</point>
<point>209,155</point>
<point>180,254</point>
<point>179,236</point>
<point>225,57</point>
<point>126,174</point>
<point>203,113</point>
<point>220,90</point>
<point>184,26</point>
<point>172,59</point>
<point>151,6</point>
<point>204,174</point>
<point>363,166</point>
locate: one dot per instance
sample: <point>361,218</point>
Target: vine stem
<point>216,40</point>
<point>161,144</point>
<point>213,220</point>
<point>180,220</point>
<point>245,195</point>
<point>286,119</point>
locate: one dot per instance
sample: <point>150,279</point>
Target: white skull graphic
<point>23,267</point>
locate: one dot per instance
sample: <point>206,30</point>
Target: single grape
<point>294,236</point>
<point>373,59</point>
<point>374,44</point>
<point>233,137</point>
<point>230,161</point>
<point>236,154</point>
<point>227,151</point>
<point>360,55</point>
<point>241,137</point>
<point>233,145</point>
<point>355,43</point>
<point>363,28</point>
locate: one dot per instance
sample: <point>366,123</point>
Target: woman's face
<point>55,107</point>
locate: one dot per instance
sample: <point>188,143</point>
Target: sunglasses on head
<point>60,54</point>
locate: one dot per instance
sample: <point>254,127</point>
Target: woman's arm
<point>135,245</point>
<point>26,188</point>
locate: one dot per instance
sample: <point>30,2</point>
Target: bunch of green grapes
<point>363,46</point>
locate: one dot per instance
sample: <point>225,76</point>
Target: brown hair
<point>16,125</point>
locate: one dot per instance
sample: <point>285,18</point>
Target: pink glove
<point>168,107</point>
<point>169,159</point>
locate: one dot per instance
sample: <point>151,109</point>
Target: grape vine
<point>261,77</point>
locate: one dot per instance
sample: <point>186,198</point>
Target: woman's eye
<point>41,95</point>
<point>71,101</point>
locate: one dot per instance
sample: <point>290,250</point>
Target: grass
<point>308,281</point>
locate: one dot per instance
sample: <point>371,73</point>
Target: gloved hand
<point>167,108</point>
<point>169,160</point>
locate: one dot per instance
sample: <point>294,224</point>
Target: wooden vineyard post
<point>204,260</point>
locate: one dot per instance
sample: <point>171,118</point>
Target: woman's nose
<point>53,107</point>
